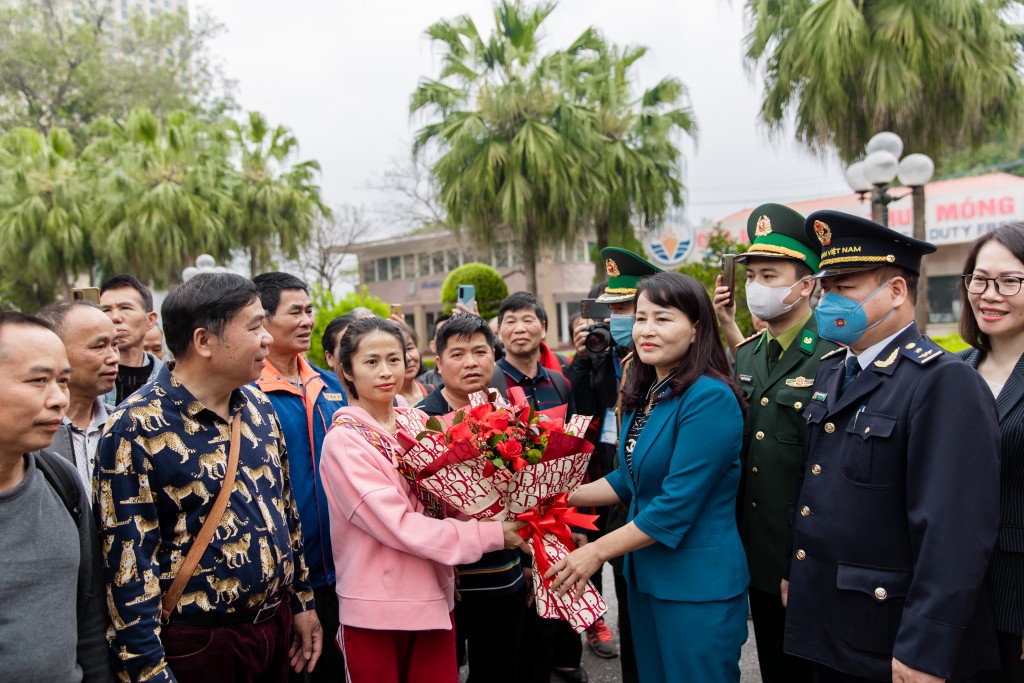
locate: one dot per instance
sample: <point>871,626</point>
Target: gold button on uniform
<point>881,593</point>
<point>805,511</point>
<point>798,405</point>
<point>800,554</point>
<point>867,430</point>
<point>759,436</point>
<point>754,469</point>
<point>815,469</point>
<point>764,401</point>
<point>753,504</point>
<point>829,428</point>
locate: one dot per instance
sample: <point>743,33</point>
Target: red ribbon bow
<point>554,517</point>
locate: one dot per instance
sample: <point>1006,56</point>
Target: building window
<point>944,298</point>
<point>424,259</point>
<point>437,259</point>
<point>369,272</point>
<point>409,266</point>
<point>396,267</point>
<point>382,270</point>
<point>501,255</point>
<point>453,259</point>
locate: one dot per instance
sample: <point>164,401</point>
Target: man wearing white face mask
<point>776,369</point>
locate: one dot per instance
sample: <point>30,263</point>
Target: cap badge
<point>764,227</point>
<point>611,268</point>
<point>823,232</point>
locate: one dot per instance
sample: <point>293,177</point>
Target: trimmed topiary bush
<point>490,288</point>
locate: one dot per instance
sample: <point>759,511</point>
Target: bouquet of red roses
<point>506,461</point>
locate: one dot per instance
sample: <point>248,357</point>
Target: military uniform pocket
<point>872,603</point>
<point>868,458</point>
<point>789,425</point>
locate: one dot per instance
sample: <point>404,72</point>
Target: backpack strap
<point>561,386</point>
<point>61,482</point>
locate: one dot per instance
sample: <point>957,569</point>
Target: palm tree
<point>514,150</point>
<point>163,192</point>
<point>938,73</point>
<point>639,162</point>
<point>44,226</point>
<point>278,207</point>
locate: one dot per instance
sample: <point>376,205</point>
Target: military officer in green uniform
<point>776,370</point>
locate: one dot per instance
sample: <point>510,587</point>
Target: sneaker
<point>602,640</point>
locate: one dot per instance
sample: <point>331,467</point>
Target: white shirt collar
<point>869,354</point>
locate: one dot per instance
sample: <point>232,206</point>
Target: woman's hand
<point>574,570</point>
<point>512,538</point>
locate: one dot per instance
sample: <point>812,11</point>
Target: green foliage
<point>490,288</point>
<point>941,74</point>
<point>545,145</point>
<point>145,196</point>
<point>710,267</point>
<point>328,308</point>
<point>66,69</point>
<point>952,342</point>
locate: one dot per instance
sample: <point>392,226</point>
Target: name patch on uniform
<point>746,378</point>
<point>819,396</point>
<point>799,382</point>
<point>331,396</point>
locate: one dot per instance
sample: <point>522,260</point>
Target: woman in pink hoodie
<point>393,562</point>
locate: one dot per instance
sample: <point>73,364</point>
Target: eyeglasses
<point>1007,285</point>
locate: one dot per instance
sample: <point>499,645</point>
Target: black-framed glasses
<point>1007,285</point>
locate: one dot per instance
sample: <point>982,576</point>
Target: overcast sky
<point>339,73</point>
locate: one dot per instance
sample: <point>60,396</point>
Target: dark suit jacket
<point>898,516</point>
<point>683,494</point>
<point>1006,573</point>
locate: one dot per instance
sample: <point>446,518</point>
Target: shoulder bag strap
<point>213,519</point>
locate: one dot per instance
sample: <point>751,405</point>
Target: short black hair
<point>334,329</point>
<point>354,336</point>
<point>57,314</point>
<point>17,318</point>
<point>520,300</point>
<point>441,320</point>
<point>464,326</point>
<point>209,301</point>
<point>122,281</point>
<point>270,286</point>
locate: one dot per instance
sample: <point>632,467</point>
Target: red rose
<point>510,449</point>
<point>460,432</point>
<point>479,412</point>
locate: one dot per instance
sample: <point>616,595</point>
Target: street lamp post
<point>204,264</point>
<point>879,168</point>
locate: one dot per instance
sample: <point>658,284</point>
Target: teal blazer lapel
<point>660,416</point>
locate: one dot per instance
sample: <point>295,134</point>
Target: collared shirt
<point>787,337</point>
<point>540,389</point>
<point>160,465</point>
<point>869,354</point>
<point>305,412</point>
<point>84,442</point>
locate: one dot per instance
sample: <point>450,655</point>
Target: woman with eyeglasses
<point>992,322</point>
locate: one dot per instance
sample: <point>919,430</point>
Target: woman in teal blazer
<point>679,451</point>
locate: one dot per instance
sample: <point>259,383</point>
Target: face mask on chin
<point>768,303</point>
<point>844,320</point>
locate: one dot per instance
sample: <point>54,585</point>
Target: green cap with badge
<point>625,270</point>
<point>777,231</point>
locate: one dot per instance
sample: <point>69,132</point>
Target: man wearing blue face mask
<point>596,376</point>
<point>776,370</point>
<point>899,505</point>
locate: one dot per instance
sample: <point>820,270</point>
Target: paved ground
<point>607,670</point>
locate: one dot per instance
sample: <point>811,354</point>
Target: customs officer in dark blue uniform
<point>899,507</point>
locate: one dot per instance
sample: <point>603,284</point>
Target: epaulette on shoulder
<point>833,352</point>
<point>756,335</point>
<point>922,351</point>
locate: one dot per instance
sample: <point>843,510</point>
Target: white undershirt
<point>869,354</point>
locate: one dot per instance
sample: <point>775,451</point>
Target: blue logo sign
<point>671,246</point>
